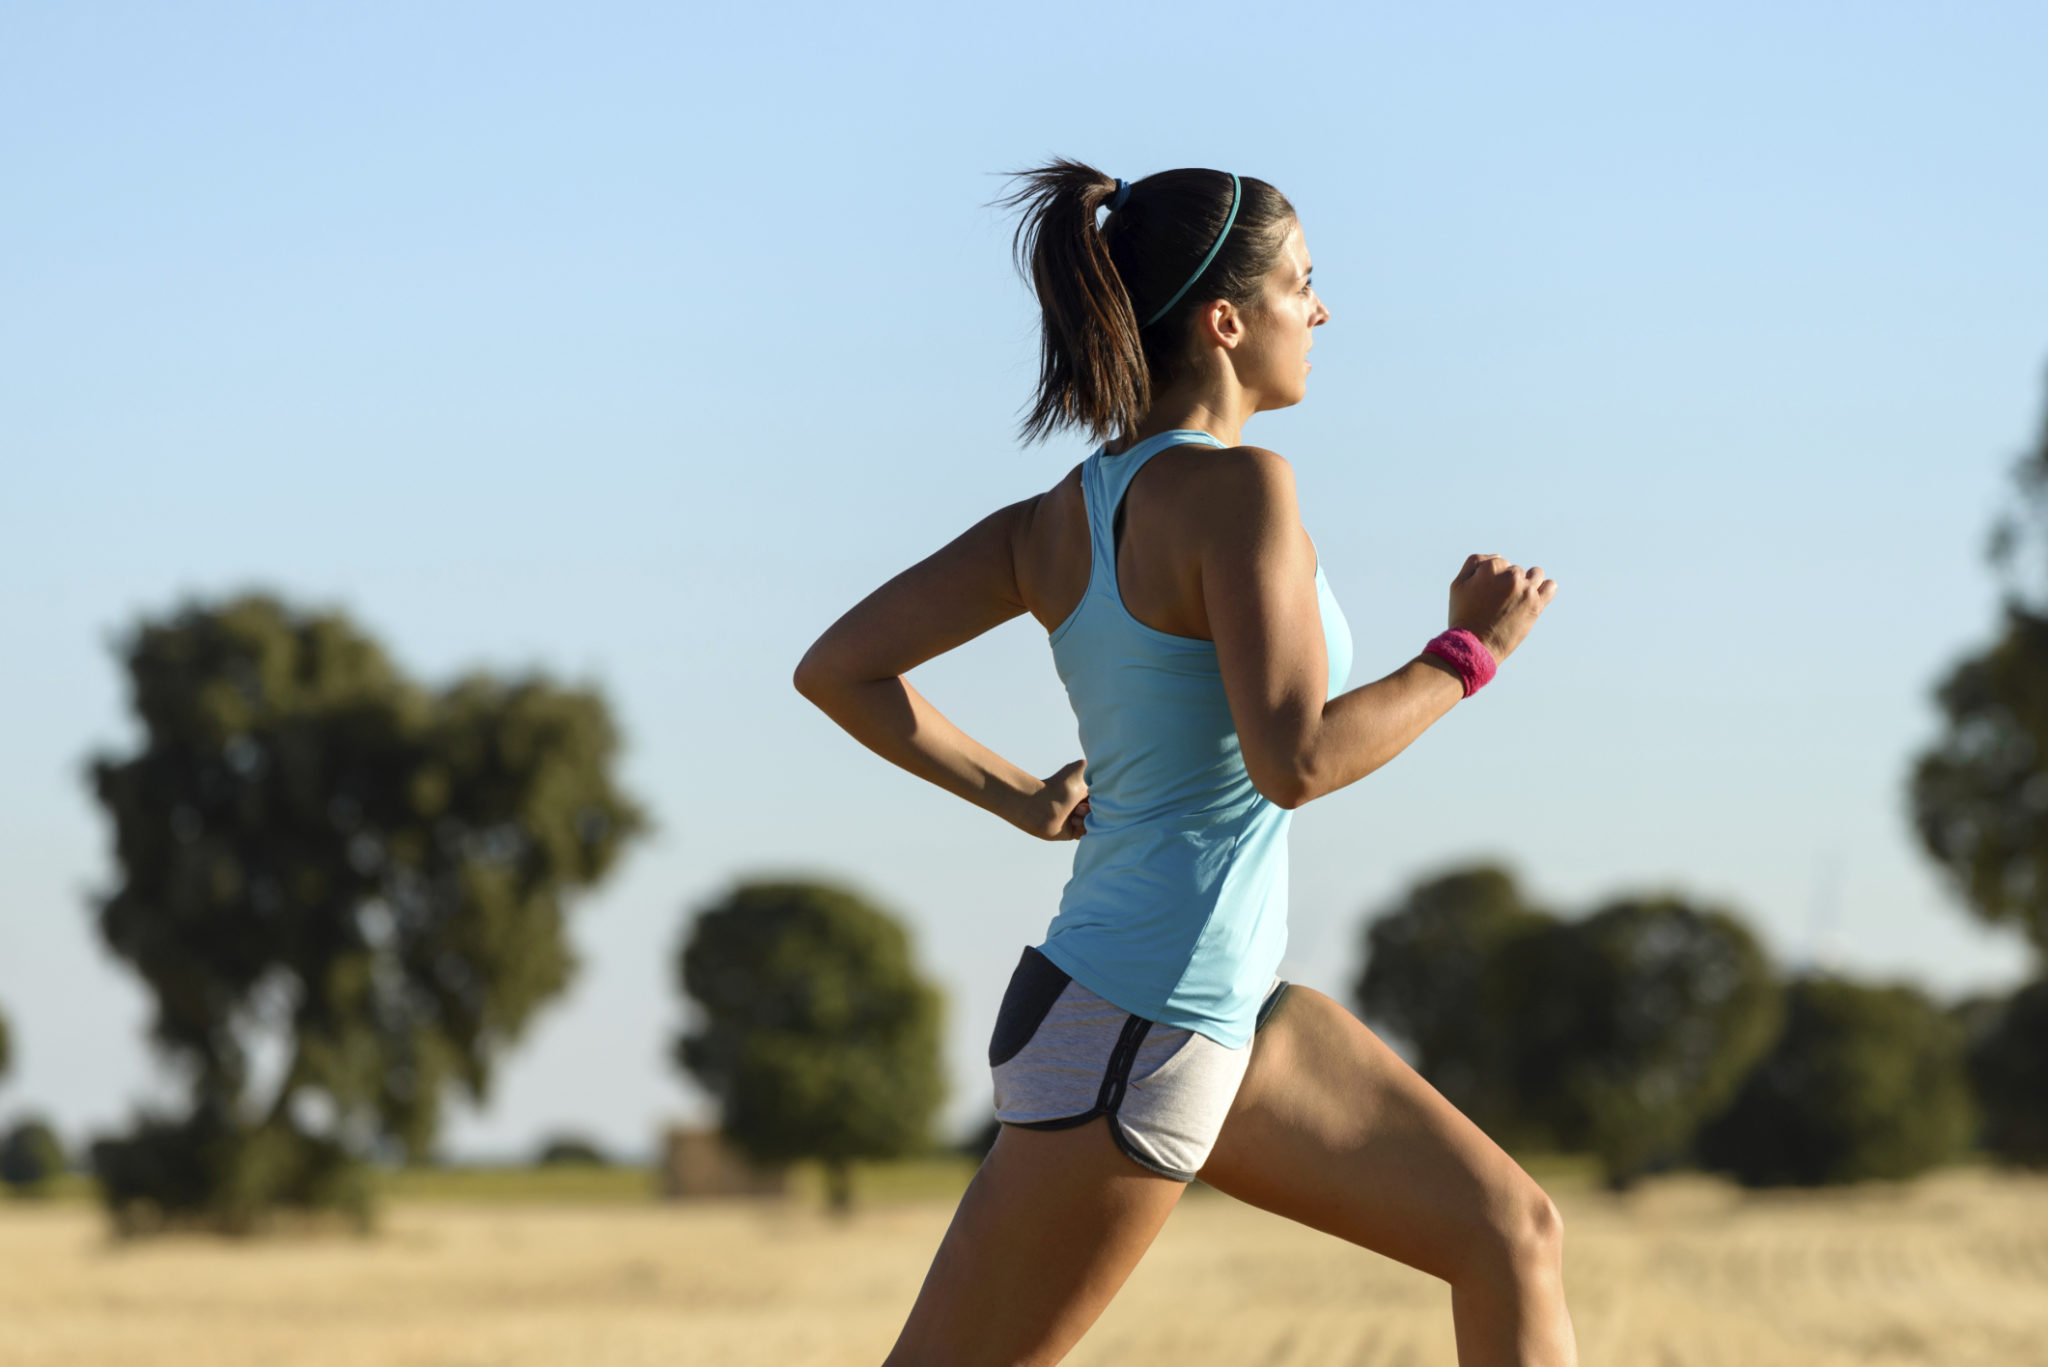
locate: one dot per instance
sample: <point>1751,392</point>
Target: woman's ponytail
<point>1091,366</point>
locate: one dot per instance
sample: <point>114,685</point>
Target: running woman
<point>1148,1039</point>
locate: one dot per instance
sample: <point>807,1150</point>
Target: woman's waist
<point>1175,868</point>
<point>1124,797</point>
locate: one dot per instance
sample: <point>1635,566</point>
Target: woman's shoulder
<point>1244,482</point>
<point>1259,461</point>
<point>1063,502</point>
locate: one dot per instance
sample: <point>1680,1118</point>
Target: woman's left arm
<point>854,673</point>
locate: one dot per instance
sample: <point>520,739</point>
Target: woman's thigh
<point>1046,1233</point>
<point>1331,1128</point>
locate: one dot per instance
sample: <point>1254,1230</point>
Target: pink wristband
<point>1474,662</point>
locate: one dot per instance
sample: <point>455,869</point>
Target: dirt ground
<point>1951,1270</point>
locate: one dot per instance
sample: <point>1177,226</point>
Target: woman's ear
<point>1223,324</point>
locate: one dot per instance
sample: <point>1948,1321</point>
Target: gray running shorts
<point>1063,1055</point>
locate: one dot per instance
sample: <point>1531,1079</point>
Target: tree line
<point>1653,1033</point>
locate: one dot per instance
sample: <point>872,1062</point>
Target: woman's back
<point>1176,909</point>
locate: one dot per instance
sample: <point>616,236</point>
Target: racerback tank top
<point>1176,909</point>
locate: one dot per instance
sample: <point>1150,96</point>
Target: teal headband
<point>1214,248</point>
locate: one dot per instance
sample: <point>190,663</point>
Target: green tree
<point>1632,1025</point>
<point>1438,974</point>
<point>1979,793</point>
<point>1863,1082</point>
<point>6,1047</point>
<point>316,850</point>
<point>2008,1063</point>
<point>818,1035</point>
<point>1979,800</point>
<point>30,1157</point>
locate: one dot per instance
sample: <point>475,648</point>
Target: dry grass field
<point>1950,1270</point>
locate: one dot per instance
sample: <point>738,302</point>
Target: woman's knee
<point>1523,1237</point>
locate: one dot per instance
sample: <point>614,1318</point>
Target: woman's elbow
<point>1281,785</point>
<point>811,677</point>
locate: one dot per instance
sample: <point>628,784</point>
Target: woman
<point>1147,1040</point>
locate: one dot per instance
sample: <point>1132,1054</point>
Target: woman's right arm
<point>1258,587</point>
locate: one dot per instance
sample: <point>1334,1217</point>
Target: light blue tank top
<point>1177,906</point>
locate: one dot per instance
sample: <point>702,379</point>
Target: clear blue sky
<point>636,342</point>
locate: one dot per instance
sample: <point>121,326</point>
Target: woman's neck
<point>1221,410</point>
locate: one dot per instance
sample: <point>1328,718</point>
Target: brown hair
<point>1099,363</point>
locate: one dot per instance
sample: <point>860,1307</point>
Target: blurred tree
<point>1979,794</point>
<point>6,1047</point>
<point>30,1157</point>
<point>819,1037</point>
<point>213,1168</point>
<point>2008,1064</point>
<point>1632,1025</point>
<point>314,849</point>
<point>1437,975</point>
<point>569,1150</point>
<point>1863,1082</point>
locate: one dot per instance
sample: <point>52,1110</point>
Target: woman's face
<point>1272,361</point>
